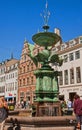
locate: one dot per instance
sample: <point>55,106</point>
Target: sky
<point>21,19</point>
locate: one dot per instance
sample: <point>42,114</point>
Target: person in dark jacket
<point>78,110</point>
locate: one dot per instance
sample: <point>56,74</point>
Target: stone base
<point>48,109</point>
<point>41,123</point>
<point>42,128</point>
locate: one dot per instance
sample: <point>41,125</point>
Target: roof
<point>11,62</point>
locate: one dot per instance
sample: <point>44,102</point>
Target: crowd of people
<point>23,104</point>
<point>66,105</point>
<point>75,106</point>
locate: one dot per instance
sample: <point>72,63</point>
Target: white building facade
<point>2,78</point>
<point>70,79</point>
<point>9,79</point>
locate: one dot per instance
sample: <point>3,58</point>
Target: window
<point>71,57</point>
<point>72,76</point>
<point>62,47</point>
<point>65,58</point>
<point>23,81</point>
<point>78,75</point>
<point>16,74</point>
<point>32,80</point>
<point>32,66</point>
<point>77,54</point>
<point>20,70</point>
<point>27,80</point>
<point>61,78</point>
<point>12,66</point>
<point>71,43</point>
<point>13,75</point>
<point>6,77</point>
<point>8,68</point>
<point>27,67</point>
<point>28,96</point>
<point>24,69</point>
<point>15,85</point>
<point>21,95</point>
<point>16,65</point>
<point>66,76</point>
<point>20,83</point>
<point>80,39</point>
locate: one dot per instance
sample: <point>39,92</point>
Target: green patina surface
<point>47,89</point>
<point>46,38</point>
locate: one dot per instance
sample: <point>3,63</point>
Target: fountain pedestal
<point>47,102</point>
<point>48,109</point>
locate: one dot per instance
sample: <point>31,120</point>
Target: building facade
<point>17,79</point>
<point>70,79</point>
<point>2,78</point>
<point>9,79</point>
<point>26,77</point>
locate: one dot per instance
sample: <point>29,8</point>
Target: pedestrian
<point>69,104</point>
<point>3,112</point>
<point>63,106</point>
<point>78,110</point>
<point>22,104</point>
<point>25,103</point>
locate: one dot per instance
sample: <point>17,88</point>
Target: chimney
<point>57,31</point>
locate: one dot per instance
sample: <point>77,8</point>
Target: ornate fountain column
<point>47,90</point>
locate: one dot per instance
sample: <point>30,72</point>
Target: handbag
<point>3,114</point>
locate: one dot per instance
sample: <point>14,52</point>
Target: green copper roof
<point>31,46</point>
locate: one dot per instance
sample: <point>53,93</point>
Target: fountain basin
<point>46,38</point>
<point>41,123</point>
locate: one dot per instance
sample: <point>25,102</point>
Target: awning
<point>9,97</point>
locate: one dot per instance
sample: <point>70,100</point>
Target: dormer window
<point>54,50</point>
<point>8,68</point>
<point>12,66</point>
<point>71,43</point>
<point>62,47</point>
<point>80,40</point>
<point>16,65</point>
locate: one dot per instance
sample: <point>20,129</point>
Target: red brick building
<point>26,77</point>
